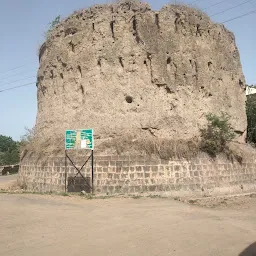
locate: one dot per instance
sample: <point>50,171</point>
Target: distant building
<point>250,89</point>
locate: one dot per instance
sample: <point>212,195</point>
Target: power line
<point>18,74</point>
<point>214,5</point>
<point>1,85</point>
<point>195,1</point>
<point>237,17</point>
<point>12,88</point>
<point>232,8</point>
<point>15,68</point>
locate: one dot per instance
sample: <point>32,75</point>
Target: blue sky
<point>22,26</point>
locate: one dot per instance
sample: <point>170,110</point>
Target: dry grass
<point>191,9</point>
<point>233,155</point>
<point>163,148</point>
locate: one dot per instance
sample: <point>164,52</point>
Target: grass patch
<point>135,197</point>
<point>155,196</point>
<point>152,146</point>
<point>192,201</point>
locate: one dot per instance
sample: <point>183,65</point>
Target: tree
<point>9,151</point>
<point>251,118</point>
<point>6,143</point>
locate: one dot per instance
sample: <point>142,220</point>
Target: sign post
<point>81,139</point>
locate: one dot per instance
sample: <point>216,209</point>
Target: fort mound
<point>135,75</point>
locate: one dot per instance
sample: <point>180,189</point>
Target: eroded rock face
<point>125,69</point>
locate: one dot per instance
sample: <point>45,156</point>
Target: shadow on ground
<point>249,251</point>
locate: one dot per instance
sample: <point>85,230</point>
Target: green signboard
<point>79,139</point>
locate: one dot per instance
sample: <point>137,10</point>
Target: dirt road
<point>7,181</point>
<point>51,225</point>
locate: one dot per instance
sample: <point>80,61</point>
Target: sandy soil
<point>7,181</point>
<point>57,225</point>
<point>236,202</point>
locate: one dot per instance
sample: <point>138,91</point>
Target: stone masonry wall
<point>136,174</point>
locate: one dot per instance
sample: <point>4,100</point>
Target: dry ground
<point>7,181</point>
<point>57,225</point>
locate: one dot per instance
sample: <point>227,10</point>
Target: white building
<point>250,90</point>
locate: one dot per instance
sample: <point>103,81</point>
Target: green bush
<point>9,151</point>
<point>217,134</point>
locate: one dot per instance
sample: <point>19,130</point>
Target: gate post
<point>92,173</point>
<point>65,171</point>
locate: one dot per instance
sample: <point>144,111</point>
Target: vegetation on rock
<point>217,134</point>
<point>251,118</point>
<point>53,24</point>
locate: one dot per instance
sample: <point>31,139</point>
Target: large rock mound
<point>126,69</point>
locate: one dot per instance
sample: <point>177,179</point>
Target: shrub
<point>28,137</point>
<point>251,118</point>
<point>217,134</point>
<point>52,25</point>
<point>9,151</point>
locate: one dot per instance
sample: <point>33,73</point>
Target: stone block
<point>137,189</point>
<point>117,176</point>
<point>124,176</point>
<point>118,189</point>
<point>160,188</point>
<point>132,169</point>
<point>110,189</point>
<point>152,181</point>
<point>152,188</point>
<point>99,169</point>
<point>119,163</point>
<point>125,169</point>
<point>177,175</point>
<point>139,168</point>
<point>126,163</point>
<point>147,175</point>
<point>154,168</point>
<point>177,168</point>
<point>199,167</point>
<point>154,174</point>
<point>125,189</point>
<point>112,163</point>
<point>103,163</point>
<point>114,158</point>
<point>105,169</point>
<point>146,181</point>
<point>153,162</point>
<point>164,162</point>
<point>118,169</point>
<point>102,158</point>
<point>124,158</point>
